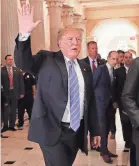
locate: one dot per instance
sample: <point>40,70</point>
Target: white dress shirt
<point>126,68</point>
<point>66,117</point>
<point>91,62</point>
<point>110,69</point>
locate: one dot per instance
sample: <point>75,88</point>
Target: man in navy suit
<point>64,107</point>
<point>104,81</point>
<point>93,61</point>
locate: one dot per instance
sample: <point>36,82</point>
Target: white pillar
<point>9,27</point>
<point>55,10</point>
<point>67,15</point>
<point>38,35</point>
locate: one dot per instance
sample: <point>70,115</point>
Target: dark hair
<point>120,51</point>
<point>109,55</point>
<point>7,56</point>
<point>91,42</point>
<point>128,52</point>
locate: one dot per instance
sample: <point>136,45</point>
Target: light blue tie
<point>74,97</point>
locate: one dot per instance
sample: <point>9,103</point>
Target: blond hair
<point>64,30</point>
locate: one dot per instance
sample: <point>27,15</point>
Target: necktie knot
<point>70,63</point>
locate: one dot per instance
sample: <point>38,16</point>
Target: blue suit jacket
<point>104,90</point>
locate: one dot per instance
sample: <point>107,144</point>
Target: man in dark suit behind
<point>64,106</point>
<point>104,86</point>
<point>120,74</point>
<point>130,100</point>
<point>13,89</point>
<point>93,61</point>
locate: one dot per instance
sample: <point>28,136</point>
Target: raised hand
<point>25,19</point>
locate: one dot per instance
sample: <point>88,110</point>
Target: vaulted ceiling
<point>107,3</point>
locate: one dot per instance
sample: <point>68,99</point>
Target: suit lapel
<point>87,61</point>
<point>14,74</point>
<point>59,58</point>
<point>83,70</point>
<point>124,71</point>
<point>107,74</point>
<point>6,74</point>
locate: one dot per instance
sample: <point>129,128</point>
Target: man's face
<point>9,61</point>
<point>128,58</point>
<point>93,50</point>
<point>112,60</point>
<point>70,44</point>
<point>120,58</point>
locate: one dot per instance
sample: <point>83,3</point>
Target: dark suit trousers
<point>64,152</point>
<point>10,110</point>
<point>104,122</point>
<point>126,127</point>
<point>133,155</point>
<point>113,121</point>
<point>25,103</point>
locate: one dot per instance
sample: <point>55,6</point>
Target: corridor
<point>17,150</point>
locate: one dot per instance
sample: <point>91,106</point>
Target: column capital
<point>67,11</point>
<point>54,3</point>
<point>77,18</point>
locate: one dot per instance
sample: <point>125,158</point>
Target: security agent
<point>27,101</point>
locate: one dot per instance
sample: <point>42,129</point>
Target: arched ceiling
<point>106,3</point>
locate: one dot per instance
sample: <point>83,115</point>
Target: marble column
<point>38,35</point>
<point>9,27</point>
<point>80,23</point>
<point>67,15</point>
<point>55,12</point>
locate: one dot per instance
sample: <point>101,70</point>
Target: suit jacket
<point>86,60</point>
<point>52,95</point>
<point>17,80</point>
<point>104,90</point>
<point>120,75</point>
<point>130,96</point>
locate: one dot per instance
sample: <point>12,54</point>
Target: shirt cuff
<point>23,37</point>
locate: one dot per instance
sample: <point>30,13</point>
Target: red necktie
<point>93,65</point>
<point>10,78</point>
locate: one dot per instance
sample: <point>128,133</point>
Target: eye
<point>79,39</point>
<point>70,38</point>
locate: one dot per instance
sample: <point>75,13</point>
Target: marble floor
<point>18,150</point>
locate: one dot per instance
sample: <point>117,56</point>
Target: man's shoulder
<point>136,60</point>
<point>119,69</point>
<point>86,60</point>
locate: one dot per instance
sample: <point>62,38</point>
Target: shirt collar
<point>126,67</point>
<point>9,67</point>
<point>109,66</point>
<point>67,60</point>
<point>92,59</point>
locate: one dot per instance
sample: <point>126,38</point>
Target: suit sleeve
<point>24,59</point>
<point>93,118</point>
<point>130,93</point>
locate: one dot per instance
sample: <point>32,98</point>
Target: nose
<point>75,41</point>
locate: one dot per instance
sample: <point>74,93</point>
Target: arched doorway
<point>114,34</point>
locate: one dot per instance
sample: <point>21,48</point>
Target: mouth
<point>74,49</point>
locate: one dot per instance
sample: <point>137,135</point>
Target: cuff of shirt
<point>23,37</point>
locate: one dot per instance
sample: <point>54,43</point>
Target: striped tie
<point>10,77</point>
<point>74,97</point>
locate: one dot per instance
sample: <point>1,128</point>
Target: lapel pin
<point>84,69</point>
